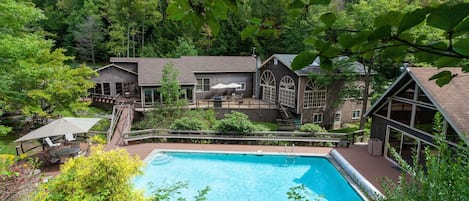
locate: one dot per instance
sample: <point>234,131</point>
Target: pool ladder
<point>291,158</point>
<point>292,150</point>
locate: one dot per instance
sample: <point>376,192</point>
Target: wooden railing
<point>318,137</point>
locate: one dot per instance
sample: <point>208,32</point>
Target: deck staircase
<point>287,120</point>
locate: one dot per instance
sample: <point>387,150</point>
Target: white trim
<point>359,114</point>
<point>318,114</point>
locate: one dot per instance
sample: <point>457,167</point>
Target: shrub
<point>236,122</point>
<point>101,176</point>
<point>312,128</point>
<point>186,123</point>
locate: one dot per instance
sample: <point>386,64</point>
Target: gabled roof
<point>116,66</point>
<point>150,69</point>
<point>450,99</point>
<point>287,59</point>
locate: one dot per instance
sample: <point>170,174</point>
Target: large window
<point>315,95</point>
<point>102,88</point>
<point>203,84</point>
<point>286,94</point>
<point>406,146</point>
<point>268,86</point>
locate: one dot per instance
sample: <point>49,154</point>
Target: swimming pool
<point>235,177</point>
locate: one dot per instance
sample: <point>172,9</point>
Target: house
<point>304,97</point>
<point>403,116</point>
<point>140,77</point>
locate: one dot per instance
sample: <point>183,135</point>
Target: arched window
<point>286,93</point>
<point>268,86</point>
<point>315,95</point>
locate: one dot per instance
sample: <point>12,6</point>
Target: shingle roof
<point>451,99</point>
<point>314,67</point>
<point>150,68</point>
<point>114,65</point>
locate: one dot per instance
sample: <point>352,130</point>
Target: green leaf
<point>310,40</point>
<point>391,18</point>
<point>296,4</point>
<point>249,31</point>
<point>328,19</point>
<point>442,78</point>
<point>446,17</point>
<point>302,60</point>
<point>462,46</point>
<point>214,26</point>
<point>395,53</point>
<point>412,19</point>
<point>220,10</point>
<point>255,21</point>
<point>346,40</point>
<point>380,33</point>
<point>447,62</point>
<point>462,27</point>
<point>325,63</point>
<point>331,52</point>
<point>321,45</point>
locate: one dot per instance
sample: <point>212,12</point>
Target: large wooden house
<point>140,77</point>
<point>403,116</point>
<point>307,99</point>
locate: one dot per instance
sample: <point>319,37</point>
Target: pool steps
<point>161,159</point>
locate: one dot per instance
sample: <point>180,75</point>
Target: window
<point>242,87</point>
<point>203,84</point>
<point>107,89</point>
<point>286,93</point>
<point>268,86</point>
<point>356,114</point>
<point>315,95</point>
<point>338,117</point>
<point>317,118</point>
<point>119,88</point>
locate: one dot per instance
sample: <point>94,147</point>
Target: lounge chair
<point>50,143</point>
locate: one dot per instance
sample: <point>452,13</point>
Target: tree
<point>392,33</point>
<point>35,79</point>
<point>103,175</point>
<point>235,122</point>
<point>171,92</point>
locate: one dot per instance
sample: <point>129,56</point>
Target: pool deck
<point>373,168</point>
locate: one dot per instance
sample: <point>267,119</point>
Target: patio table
<point>65,153</point>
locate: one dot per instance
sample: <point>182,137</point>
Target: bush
<point>312,128</point>
<point>101,176</point>
<point>236,122</point>
<point>186,123</point>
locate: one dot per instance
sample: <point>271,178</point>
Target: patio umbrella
<point>219,86</point>
<point>233,85</point>
<point>66,125</point>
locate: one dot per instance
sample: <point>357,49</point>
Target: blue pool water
<point>240,177</point>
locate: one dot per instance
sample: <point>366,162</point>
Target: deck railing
<point>284,136</point>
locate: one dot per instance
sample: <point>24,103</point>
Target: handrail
<point>256,135</point>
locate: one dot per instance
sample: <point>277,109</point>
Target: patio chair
<point>69,137</point>
<point>50,143</point>
<point>52,157</point>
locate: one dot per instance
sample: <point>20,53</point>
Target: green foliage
<point>312,128</point>
<point>103,175</point>
<point>443,176</point>
<point>235,122</point>
<point>170,89</point>
<point>265,126</point>
<point>186,123</point>
<point>7,144</point>
<point>171,192</point>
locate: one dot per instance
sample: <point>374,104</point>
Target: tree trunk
<point>366,94</point>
